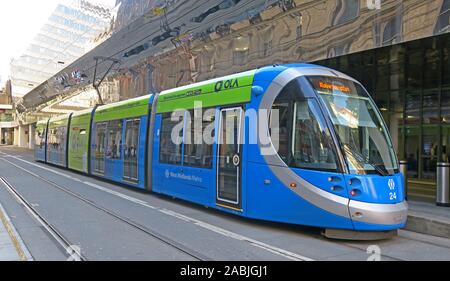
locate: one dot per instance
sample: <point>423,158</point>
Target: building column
<point>23,136</point>
<point>394,133</point>
<point>31,132</point>
<point>16,136</point>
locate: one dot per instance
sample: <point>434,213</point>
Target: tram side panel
<point>57,141</point>
<point>79,133</point>
<point>118,150</point>
<point>118,142</point>
<point>40,150</point>
<point>205,173</point>
<point>182,171</point>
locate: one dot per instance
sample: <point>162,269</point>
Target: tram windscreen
<point>359,125</point>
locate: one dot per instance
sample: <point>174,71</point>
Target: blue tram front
<point>332,163</point>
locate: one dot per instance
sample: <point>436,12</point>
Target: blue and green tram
<point>298,144</point>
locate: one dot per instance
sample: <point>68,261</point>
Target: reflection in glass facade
<point>68,34</point>
<point>399,51</point>
<point>411,84</point>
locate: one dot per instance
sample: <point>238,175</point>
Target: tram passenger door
<point>99,152</point>
<point>229,160</point>
<point>131,151</point>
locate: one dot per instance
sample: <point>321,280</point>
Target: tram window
<point>283,115</point>
<point>131,149</point>
<point>100,139</point>
<point>99,148</point>
<point>57,139</point>
<point>198,151</point>
<point>132,138</point>
<point>171,146</point>
<point>40,138</point>
<point>62,139</point>
<point>51,139</point>
<point>114,144</point>
<point>311,145</point>
<point>57,144</point>
<point>305,140</point>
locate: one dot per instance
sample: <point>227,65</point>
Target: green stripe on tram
<point>123,110</point>
<point>81,117</point>
<point>60,121</point>
<point>234,89</point>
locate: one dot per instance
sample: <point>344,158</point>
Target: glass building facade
<point>411,84</point>
<point>67,35</point>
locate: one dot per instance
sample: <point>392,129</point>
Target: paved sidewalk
<point>427,218</point>
<point>12,247</point>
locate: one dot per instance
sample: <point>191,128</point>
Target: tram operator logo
<point>391,184</point>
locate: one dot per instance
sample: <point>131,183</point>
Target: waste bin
<point>443,185</point>
<point>404,172</point>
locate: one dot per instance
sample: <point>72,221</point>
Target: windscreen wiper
<point>381,170</point>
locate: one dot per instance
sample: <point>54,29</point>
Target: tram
<point>298,144</point>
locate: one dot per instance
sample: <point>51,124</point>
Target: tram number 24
<point>393,196</point>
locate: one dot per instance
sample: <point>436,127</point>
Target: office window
<point>171,143</point>
<point>346,11</point>
<point>392,33</point>
<point>198,151</point>
<point>443,22</point>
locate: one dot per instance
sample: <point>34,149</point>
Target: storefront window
<point>410,83</point>
<point>431,107</point>
<point>412,150</point>
<point>415,62</point>
<point>430,151</point>
<point>413,106</point>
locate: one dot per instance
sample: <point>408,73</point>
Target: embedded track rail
<point>65,243</point>
<point>62,241</point>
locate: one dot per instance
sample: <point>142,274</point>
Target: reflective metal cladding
<point>167,44</point>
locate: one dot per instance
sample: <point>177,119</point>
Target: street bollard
<point>404,171</point>
<point>443,185</point>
